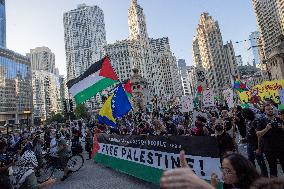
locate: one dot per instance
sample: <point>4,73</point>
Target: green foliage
<point>59,118</point>
<point>82,112</point>
<point>247,70</point>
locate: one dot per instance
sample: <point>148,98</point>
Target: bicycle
<point>50,164</point>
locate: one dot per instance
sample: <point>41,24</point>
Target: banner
<point>281,96</point>
<point>229,97</point>
<point>186,104</point>
<point>208,98</point>
<point>268,89</point>
<point>146,157</point>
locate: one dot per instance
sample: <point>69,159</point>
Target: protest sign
<point>146,157</point>
<point>229,97</point>
<point>208,98</point>
<point>186,104</point>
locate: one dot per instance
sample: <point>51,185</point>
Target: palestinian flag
<point>98,77</point>
<point>127,88</point>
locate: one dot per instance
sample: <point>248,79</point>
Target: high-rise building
<point>15,86</point>
<point>239,60</point>
<point>212,54</point>
<point>270,20</point>
<point>15,80</point>
<point>47,84</point>
<point>85,37</point>
<point>254,48</point>
<point>152,57</point>
<point>231,58</point>
<point>2,24</point>
<point>47,94</point>
<point>136,22</point>
<point>42,59</point>
<point>184,72</point>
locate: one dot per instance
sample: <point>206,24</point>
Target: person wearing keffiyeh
<point>23,174</point>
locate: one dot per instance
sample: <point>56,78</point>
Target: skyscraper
<point>270,20</point>
<point>15,86</point>
<point>42,59</point>
<point>48,93</point>
<point>209,52</point>
<point>15,79</point>
<point>2,24</point>
<point>184,72</point>
<point>152,57</point>
<point>254,48</point>
<point>85,36</point>
<point>231,58</point>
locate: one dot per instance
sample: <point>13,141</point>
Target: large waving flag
<point>127,88</point>
<point>240,86</point>
<point>98,77</point>
<point>116,106</point>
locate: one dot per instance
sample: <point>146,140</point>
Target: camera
<point>274,124</point>
<point>219,128</point>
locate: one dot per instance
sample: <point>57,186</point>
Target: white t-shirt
<point>53,146</point>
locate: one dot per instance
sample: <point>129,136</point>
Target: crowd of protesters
<point>22,153</point>
<point>259,128</point>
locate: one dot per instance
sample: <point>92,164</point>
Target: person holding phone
<point>270,130</point>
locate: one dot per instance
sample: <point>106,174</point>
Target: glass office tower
<point>2,24</point>
<point>15,86</point>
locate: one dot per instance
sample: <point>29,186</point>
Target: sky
<point>35,23</point>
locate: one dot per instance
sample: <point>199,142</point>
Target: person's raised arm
<point>183,178</point>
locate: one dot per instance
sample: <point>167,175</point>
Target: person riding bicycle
<point>63,156</point>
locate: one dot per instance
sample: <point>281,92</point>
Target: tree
<point>82,112</point>
<point>59,118</point>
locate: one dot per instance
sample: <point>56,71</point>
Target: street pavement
<point>96,176</point>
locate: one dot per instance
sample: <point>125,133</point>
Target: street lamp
<point>27,112</point>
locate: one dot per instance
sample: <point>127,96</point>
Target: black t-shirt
<point>225,143</point>
<point>251,134</point>
<point>273,140</point>
<point>228,123</point>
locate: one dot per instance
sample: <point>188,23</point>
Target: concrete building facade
<point>210,53</point>
<point>270,20</point>
<point>211,57</point>
<point>48,94</point>
<point>152,57</point>
<point>42,59</point>
<point>85,37</point>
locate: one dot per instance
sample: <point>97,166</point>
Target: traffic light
<point>65,107</point>
<point>71,105</point>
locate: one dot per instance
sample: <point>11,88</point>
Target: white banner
<point>229,97</point>
<point>202,166</point>
<point>186,104</point>
<point>208,98</point>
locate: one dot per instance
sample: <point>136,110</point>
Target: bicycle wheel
<point>75,163</point>
<point>44,173</point>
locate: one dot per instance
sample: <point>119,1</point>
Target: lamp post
<point>27,112</point>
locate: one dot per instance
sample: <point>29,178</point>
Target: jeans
<point>259,158</point>
<point>272,157</point>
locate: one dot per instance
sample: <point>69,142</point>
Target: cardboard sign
<point>208,98</point>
